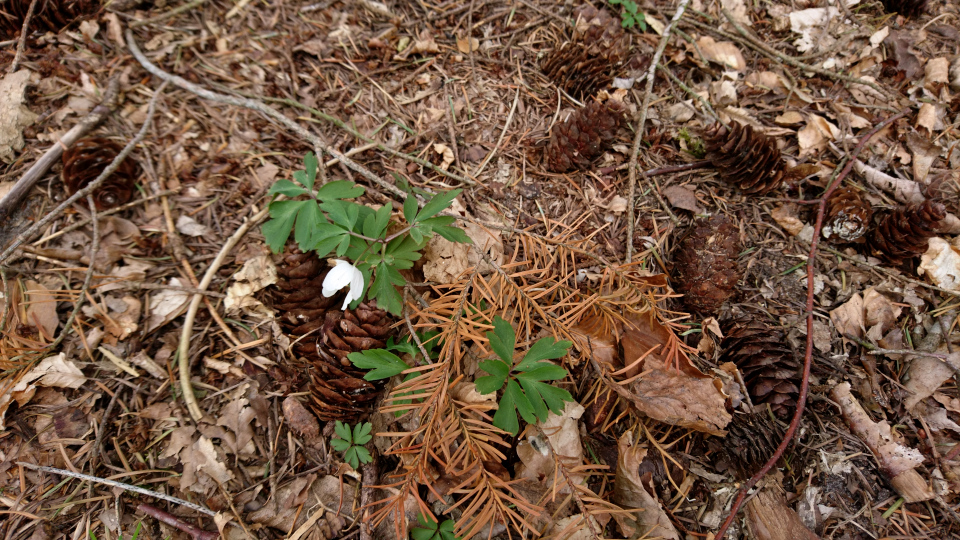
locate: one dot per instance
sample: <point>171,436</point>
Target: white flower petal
<point>337,278</point>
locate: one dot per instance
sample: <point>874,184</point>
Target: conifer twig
<point>638,136</point>
<point>24,31</point>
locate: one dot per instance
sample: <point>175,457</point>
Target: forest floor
<point>414,98</point>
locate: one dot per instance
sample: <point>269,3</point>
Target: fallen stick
<point>42,165</point>
<point>177,523</point>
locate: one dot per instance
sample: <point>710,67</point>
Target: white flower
<point>340,276</point>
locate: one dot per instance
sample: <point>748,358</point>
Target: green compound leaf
<point>502,340</point>
<point>339,189</point>
<point>384,291</point>
<point>383,364</point>
<point>437,204</point>
<point>310,164</point>
<point>282,215</point>
<point>286,187</point>
<point>544,349</point>
<point>342,430</point>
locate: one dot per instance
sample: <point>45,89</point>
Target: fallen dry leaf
<point>630,493</point>
<point>683,397</point>
<point>447,154</point>
<point>41,309</point>
<point>166,305</point>
<point>124,316</point>
<point>941,263</point>
<point>683,198</point>
<point>927,117</point>
<point>924,153</point>
<point>300,419</point>
<point>54,371</point>
<point>848,318</point>
<point>190,227</point>
<point>926,374</point>
<point>879,314</point>
<point>424,44</point>
<point>14,114</point>
<point>255,275</point>
<point>789,118</point>
<point>816,134</point>
<point>562,432</point>
<point>810,24</point>
<point>467,45</point>
<point>786,216</point>
<point>898,462</point>
<point>446,261</point>
<point>724,53</point>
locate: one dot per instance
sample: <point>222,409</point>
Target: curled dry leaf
<point>630,492</point>
<point>683,198</point>
<point>924,153</point>
<point>256,274</point>
<point>563,433</point>
<point>816,134</point>
<point>879,314</point>
<point>848,318</point>
<point>300,419</point>
<point>190,227</point>
<point>41,309</point>
<point>446,261</point>
<point>671,390</point>
<point>166,305</point>
<point>724,53</point>
<point>926,374</point>
<point>786,217</point>
<point>898,462</point>
<point>941,263</point>
<point>447,154</point>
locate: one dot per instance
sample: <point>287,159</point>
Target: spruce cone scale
<point>324,336</point>
<point>769,368</point>
<point>848,216</point>
<point>705,265</point>
<point>86,159</point>
<point>907,8</point>
<point>904,232</point>
<point>583,137</point>
<point>745,158</point>
<point>587,63</point>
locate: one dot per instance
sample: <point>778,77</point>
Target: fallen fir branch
<point>638,136</point>
<point>808,352</point>
<point>36,171</point>
<point>320,147</point>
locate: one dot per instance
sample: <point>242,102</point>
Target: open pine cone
<point>903,233</point>
<point>848,216</point>
<point>583,137</point>
<point>589,61</point>
<point>87,158</point>
<point>907,8</point>
<point>324,335</point>
<point>48,15</point>
<point>745,158</point>
<point>705,264</point>
<point>769,368</point>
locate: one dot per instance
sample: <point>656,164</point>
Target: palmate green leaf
<point>340,445</point>
<point>309,219</point>
<point>498,370</point>
<point>339,189</point>
<point>512,401</point>
<point>442,225</point>
<point>375,224</point>
<point>544,349</point>
<point>282,216</point>
<point>384,289</point>
<point>361,433</point>
<point>286,187</point>
<point>383,364</point>
<point>310,164</point>
<point>342,430</point>
<point>502,340</point>
<point>437,204</point>
<point>327,239</point>
<point>410,208</point>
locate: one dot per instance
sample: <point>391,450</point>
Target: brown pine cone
<point>903,233</point>
<point>848,216</point>
<point>48,15</point>
<point>589,61</point>
<point>87,158</point>
<point>324,335</point>
<point>907,8</point>
<point>769,368</point>
<point>583,137</point>
<point>745,158</point>
<point>705,264</point>
<point>751,439</point>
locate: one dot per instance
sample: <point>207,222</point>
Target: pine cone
<point>907,8</point>
<point>848,216</point>
<point>902,233</point>
<point>769,368</point>
<point>705,265</point>
<point>324,335</point>
<point>48,15</point>
<point>751,439</point>
<point>590,59</point>
<point>87,158</point>
<point>581,138</point>
<point>745,158</point>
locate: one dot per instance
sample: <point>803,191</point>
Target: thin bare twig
<point>808,354</point>
<point>320,147</point>
<point>506,125</point>
<point>92,186</point>
<point>74,226</point>
<point>195,532</point>
<point>42,165</point>
<point>23,37</point>
<point>638,138</point>
<point>186,386</point>
<point>121,485</point>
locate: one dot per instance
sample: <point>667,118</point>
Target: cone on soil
<point>87,158</point>
<point>590,60</point>
<point>583,137</point>
<point>48,15</point>
<point>907,8</point>
<point>324,335</point>
<point>705,264</point>
<point>903,233</point>
<point>745,158</point>
<point>848,216</point>
<point>769,367</point>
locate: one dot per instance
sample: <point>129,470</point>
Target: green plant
<point>525,392</point>
<point>350,442</point>
<point>326,220</point>
<point>629,15</point>
<point>694,145</point>
<point>431,530</point>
